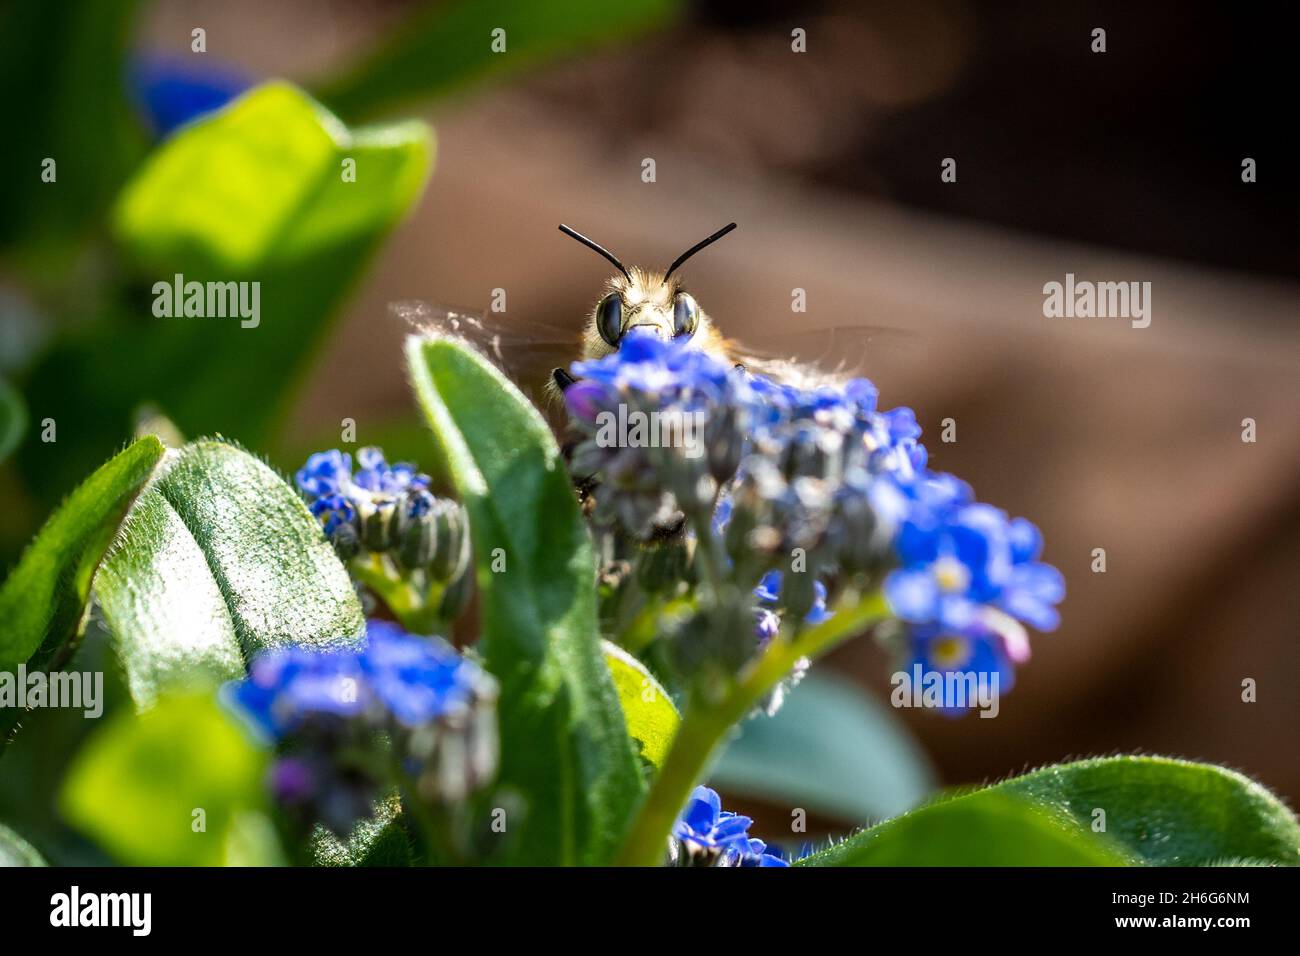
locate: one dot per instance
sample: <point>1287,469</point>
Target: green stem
<point>439,848</point>
<point>709,556</point>
<point>417,612</point>
<point>652,620</point>
<point>706,723</point>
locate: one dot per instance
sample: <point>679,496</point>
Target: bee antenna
<point>597,247</point>
<point>698,246</point>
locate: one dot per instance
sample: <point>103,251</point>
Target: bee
<point>643,299</point>
<point>633,298</point>
<point>636,298</point>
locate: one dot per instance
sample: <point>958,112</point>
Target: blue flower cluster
<point>385,508</point>
<point>768,593</point>
<point>820,471</point>
<point>436,706</point>
<point>644,483</point>
<point>707,835</point>
<point>968,578</point>
<point>412,680</point>
<point>661,371</point>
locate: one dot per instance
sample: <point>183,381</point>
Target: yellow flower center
<point>951,574</point>
<point>950,652</point>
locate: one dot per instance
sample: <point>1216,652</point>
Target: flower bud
<point>338,519</point>
<point>417,535</point>
<point>857,546</point>
<point>725,443</point>
<point>451,540</point>
<point>378,516</point>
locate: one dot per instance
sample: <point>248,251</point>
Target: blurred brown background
<point>1115,167</point>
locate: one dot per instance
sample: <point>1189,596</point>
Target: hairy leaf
<point>43,600</point>
<point>1168,812</point>
<point>565,747</point>
<point>15,851</point>
<point>979,829</point>
<point>218,560</point>
<point>1154,810</point>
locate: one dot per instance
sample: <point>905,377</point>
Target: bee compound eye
<point>609,318</point>
<point>685,314</point>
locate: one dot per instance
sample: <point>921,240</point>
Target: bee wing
<point>832,352</point>
<point>525,350</point>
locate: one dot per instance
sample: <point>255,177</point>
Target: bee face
<point>641,300</point>
<point>653,302</point>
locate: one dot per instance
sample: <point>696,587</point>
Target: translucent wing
<point>833,352</point>
<point>526,350</point>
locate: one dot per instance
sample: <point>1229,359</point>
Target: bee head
<point>649,302</point>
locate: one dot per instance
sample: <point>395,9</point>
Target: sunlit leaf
<point>259,193</point>
<point>171,786</point>
<point>651,717</point>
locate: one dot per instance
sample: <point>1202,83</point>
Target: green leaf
<point>985,828</point>
<point>379,841</point>
<point>15,851</point>
<point>830,749</point>
<point>262,182</point>
<point>449,45</point>
<point>1158,811</point>
<point>61,66</point>
<point>43,600</point>
<point>648,709</point>
<point>219,559</point>
<point>172,786</point>
<point>565,748</point>
<point>13,419</point>
<point>255,193</point>
<point>1167,812</point>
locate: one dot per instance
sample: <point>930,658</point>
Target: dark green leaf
<point>13,419</point>
<point>15,851</point>
<point>61,67</point>
<point>985,828</point>
<point>448,45</point>
<point>177,785</point>
<point>1157,811</point>
<point>43,600</point>
<point>648,709</point>
<point>565,748</point>
<point>218,560</point>
<point>830,749</point>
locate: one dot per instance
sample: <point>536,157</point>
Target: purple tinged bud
<point>292,780</point>
<point>584,400</point>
